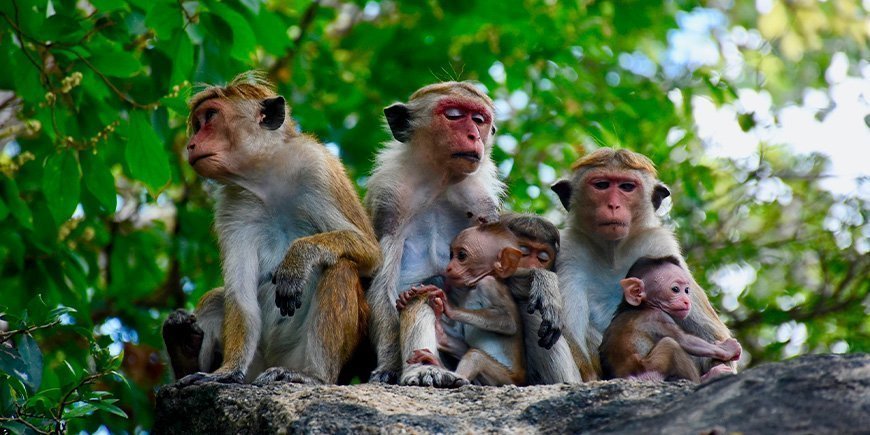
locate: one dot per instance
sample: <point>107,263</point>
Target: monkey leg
<point>478,365</point>
<point>384,335</point>
<point>546,366</point>
<point>417,331</point>
<point>670,360</point>
<point>332,329</point>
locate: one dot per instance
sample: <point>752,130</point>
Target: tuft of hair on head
<point>444,88</point>
<point>644,265</point>
<point>497,229</point>
<point>605,157</point>
<point>532,227</point>
<point>249,85</point>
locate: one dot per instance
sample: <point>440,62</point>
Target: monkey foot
<point>431,376</point>
<point>384,377</point>
<point>281,374</point>
<point>180,330</point>
<point>233,377</point>
<point>717,371</point>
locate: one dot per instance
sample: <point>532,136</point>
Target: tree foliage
<point>106,228</point>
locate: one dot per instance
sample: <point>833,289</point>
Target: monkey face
<point>536,255</point>
<point>613,199</point>
<point>462,129</point>
<point>668,288</point>
<point>208,147</point>
<point>472,256</point>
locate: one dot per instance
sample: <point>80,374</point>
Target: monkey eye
<point>209,114</point>
<point>675,289</point>
<point>478,118</point>
<point>543,256</point>
<point>454,113</point>
<point>687,290</point>
<point>461,255</point>
<point>195,125</point>
<point>627,187</point>
<point>601,185</point>
<point>525,250</point>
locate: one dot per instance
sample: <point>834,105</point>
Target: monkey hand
<point>406,297</point>
<point>294,274</point>
<point>548,334</point>
<point>731,347</point>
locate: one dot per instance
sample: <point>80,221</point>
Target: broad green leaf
<point>60,184</point>
<point>165,17</point>
<point>116,63</point>
<point>145,156</point>
<point>182,58</point>
<point>13,365</point>
<point>244,40</point>
<point>32,358</point>
<point>78,409</point>
<point>17,206</point>
<point>108,407</point>
<point>99,180</point>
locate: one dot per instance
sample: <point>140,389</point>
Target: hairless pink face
<point>667,288</point>
<point>467,126</point>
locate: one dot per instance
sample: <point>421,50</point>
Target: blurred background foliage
<point>106,228</point>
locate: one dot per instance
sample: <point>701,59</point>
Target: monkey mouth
<point>467,155</point>
<point>613,224</point>
<point>198,158</point>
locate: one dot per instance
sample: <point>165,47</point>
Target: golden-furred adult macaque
<point>536,288</point>
<point>294,240</point>
<point>611,200</point>
<point>433,180</point>
<point>489,345</point>
<point>643,340</point>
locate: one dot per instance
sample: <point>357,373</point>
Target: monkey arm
<point>489,319</point>
<point>726,351</point>
<point>541,288</point>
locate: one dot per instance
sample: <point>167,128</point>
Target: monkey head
<point>231,128</point>
<point>610,192</point>
<point>660,283</point>
<point>537,237</point>
<point>450,124</point>
<point>477,252</point>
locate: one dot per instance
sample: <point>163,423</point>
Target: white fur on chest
<point>426,250</point>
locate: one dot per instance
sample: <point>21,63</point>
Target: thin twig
<point>109,83</point>
<point>5,336</point>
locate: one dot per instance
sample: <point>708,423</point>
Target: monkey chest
<point>426,249</point>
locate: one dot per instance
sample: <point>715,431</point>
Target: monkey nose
<point>191,146</point>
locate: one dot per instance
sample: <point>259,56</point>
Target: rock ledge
<point>810,394</point>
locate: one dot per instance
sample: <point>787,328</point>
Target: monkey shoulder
<point>654,242</point>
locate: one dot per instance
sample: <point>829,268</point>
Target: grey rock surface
<point>811,394</point>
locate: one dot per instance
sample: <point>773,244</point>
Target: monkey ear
<point>633,290</point>
<point>508,260</point>
<point>399,119</point>
<point>563,189</point>
<point>660,192</point>
<point>272,112</point>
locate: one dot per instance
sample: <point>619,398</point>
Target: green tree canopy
<point>106,228</point>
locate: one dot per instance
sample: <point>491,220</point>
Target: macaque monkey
<point>536,289</point>
<point>433,180</point>
<point>489,345</point>
<point>294,241</point>
<point>611,200</point>
<point>644,342</point>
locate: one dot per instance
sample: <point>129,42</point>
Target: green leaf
<point>78,409</point>
<point>17,205</point>
<point>182,58</point>
<point>164,17</point>
<point>116,63</point>
<point>244,40</point>
<point>12,364</point>
<point>32,358</point>
<point>99,180</point>
<point>4,210</point>
<point>108,407</point>
<point>60,184</point>
<point>145,157</point>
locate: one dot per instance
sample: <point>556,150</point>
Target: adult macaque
<point>536,288</point>
<point>611,200</point>
<point>435,179</point>
<point>489,345</point>
<point>644,342</point>
<point>294,240</point>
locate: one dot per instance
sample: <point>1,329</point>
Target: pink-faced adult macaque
<point>644,340</point>
<point>294,241</point>
<point>611,200</point>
